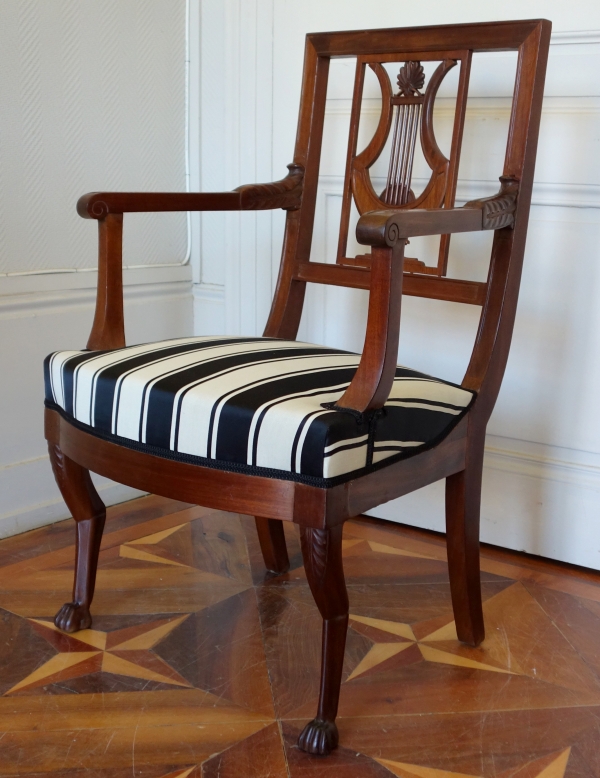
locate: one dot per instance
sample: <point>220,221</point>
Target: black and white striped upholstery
<point>249,404</point>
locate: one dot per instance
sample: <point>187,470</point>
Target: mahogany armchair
<point>289,431</point>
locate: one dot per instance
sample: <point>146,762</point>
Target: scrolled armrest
<point>387,228</point>
<point>286,194</point>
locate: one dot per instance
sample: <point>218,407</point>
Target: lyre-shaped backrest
<point>406,109</point>
<point>406,115</point>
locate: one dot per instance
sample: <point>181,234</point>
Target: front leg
<point>89,512</point>
<point>322,554</point>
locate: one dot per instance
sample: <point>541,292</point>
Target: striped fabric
<point>255,404</point>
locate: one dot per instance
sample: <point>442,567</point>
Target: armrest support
<point>286,193</point>
<point>108,329</point>
<point>386,228</point>
<point>387,232</point>
<point>372,382</point>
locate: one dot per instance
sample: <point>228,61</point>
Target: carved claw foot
<point>319,737</point>
<point>72,617</point>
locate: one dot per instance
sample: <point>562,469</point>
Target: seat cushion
<point>253,404</point>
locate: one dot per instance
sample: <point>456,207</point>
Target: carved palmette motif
<point>314,551</point>
<point>411,78</point>
<point>286,194</point>
<point>497,211</point>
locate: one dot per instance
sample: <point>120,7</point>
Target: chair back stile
<point>406,115</point>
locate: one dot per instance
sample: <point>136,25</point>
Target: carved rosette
<point>411,79</point>
<point>314,551</point>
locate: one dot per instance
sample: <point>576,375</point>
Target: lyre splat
<point>406,115</point>
<point>407,106</point>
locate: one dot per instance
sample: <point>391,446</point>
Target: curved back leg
<point>463,504</point>
<point>89,512</point>
<point>272,544</point>
<point>322,554</point>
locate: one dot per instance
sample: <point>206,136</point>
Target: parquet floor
<point>199,665</point>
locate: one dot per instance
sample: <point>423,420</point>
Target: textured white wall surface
<point>93,97</point>
<point>542,474</point>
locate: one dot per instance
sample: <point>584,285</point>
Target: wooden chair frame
<point>321,512</point>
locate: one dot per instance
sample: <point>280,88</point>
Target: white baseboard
<point>209,309</point>
<point>44,504</point>
<point>66,280</point>
<point>542,500</point>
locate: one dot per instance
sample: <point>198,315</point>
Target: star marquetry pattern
<point>134,549</point>
<point>124,652</point>
<point>185,580</point>
<point>392,638</point>
<point>550,766</point>
<point>507,649</point>
<point>181,773</point>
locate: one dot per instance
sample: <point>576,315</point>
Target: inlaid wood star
<point>507,649</point>
<point>549,766</point>
<point>121,652</point>
<point>391,638</point>
<point>181,773</point>
<point>136,549</point>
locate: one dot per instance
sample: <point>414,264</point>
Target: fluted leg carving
<point>272,544</point>
<point>89,513</point>
<point>322,554</point>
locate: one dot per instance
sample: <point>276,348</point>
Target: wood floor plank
<point>24,752</point>
<point>103,711</point>
<point>53,559</point>
<point>195,648</point>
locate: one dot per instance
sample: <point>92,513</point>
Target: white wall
<point>93,97</point>
<point>542,473</point>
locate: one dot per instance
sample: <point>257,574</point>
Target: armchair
<point>288,431</point>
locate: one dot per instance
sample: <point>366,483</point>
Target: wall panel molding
<point>44,504</point>
<point>209,309</point>
<point>477,106</point>
<point>559,195</point>
<point>575,37</point>
<point>143,289</point>
<point>559,464</point>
